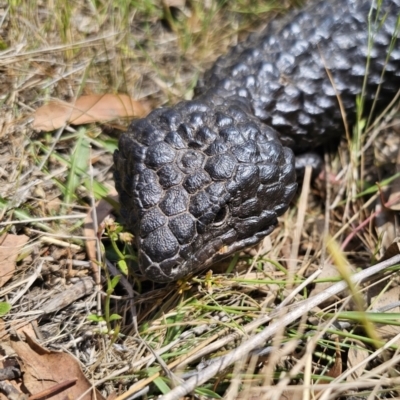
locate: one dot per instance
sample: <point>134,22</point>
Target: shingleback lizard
<point>216,172</point>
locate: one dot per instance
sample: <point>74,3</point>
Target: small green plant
<point>80,159</point>
<point>4,308</point>
<point>115,233</point>
<point>108,317</point>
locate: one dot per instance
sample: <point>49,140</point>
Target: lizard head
<point>199,182</point>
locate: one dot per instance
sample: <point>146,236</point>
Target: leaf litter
<point>199,320</point>
<point>46,371</point>
<point>10,246</point>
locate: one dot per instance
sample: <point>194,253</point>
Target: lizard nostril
<point>221,216</point>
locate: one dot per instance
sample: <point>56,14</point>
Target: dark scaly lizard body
<point>207,177</point>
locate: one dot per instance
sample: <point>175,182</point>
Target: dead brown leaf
<point>10,246</point>
<point>380,303</point>
<point>337,367</point>
<point>355,359</point>
<point>44,369</point>
<point>392,250</point>
<point>174,3</point>
<point>385,225</point>
<point>8,359</point>
<point>87,109</point>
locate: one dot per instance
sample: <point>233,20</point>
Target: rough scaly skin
<point>210,176</point>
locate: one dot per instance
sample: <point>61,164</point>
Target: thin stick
<point>303,204</point>
<point>55,218</point>
<point>58,48</point>
<point>51,391</point>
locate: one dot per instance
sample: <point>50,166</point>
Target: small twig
<point>60,243</point>
<point>61,236</point>
<point>303,204</point>
<point>53,390</point>
<point>32,220</point>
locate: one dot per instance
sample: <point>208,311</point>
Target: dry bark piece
<point>82,288</point>
<point>44,369</point>
<point>87,109</point>
<point>10,246</point>
<point>11,392</point>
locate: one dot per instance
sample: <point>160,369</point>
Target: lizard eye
<point>221,216</point>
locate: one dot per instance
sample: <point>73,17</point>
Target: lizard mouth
<point>178,268</point>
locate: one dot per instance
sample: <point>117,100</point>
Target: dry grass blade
<point>303,203</point>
